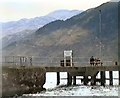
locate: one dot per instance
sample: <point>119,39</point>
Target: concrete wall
<point>22,80</point>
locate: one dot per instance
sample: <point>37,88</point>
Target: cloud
<point>12,10</point>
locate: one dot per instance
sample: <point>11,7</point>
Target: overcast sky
<point>11,10</point>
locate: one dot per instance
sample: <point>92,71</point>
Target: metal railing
<point>47,61</point>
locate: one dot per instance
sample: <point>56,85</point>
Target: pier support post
<point>58,78</point>
<point>93,80</point>
<point>74,80</point>
<point>69,79</point>
<point>111,77</point>
<point>85,80</point>
<point>119,77</point>
<point>102,74</point>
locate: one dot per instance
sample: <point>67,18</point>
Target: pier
<point>58,65</point>
<point>28,74</point>
<point>86,71</point>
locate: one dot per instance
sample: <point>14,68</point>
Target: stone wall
<point>21,80</point>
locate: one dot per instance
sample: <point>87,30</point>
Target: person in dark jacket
<point>92,60</point>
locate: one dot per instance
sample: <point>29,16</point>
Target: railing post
<point>26,61</point>
<point>5,60</point>
<point>20,61</point>
<point>30,61</point>
<point>13,60</point>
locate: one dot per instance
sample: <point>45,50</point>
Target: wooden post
<point>58,78</point>
<point>111,77</point>
<point>119,77</point>
<point>85,80</point>
<point>69,79</point>
<point>74,80</point>
<point>93,80</point>
<point>102,74</point>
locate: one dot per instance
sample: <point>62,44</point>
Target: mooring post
<point>69,79</point>
<point>111,77</point>
<point>119,77</point>
<point>58,78</point>
<point>74,80</point>
<point>85,80</point>
<point>93,80</point>
<point>102,74</point>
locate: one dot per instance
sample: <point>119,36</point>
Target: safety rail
<point>48,61</point>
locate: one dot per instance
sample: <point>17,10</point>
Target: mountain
<point>81,33</point>
<point>37,22</point>
<point>63,14</point>
<point>13,38</point>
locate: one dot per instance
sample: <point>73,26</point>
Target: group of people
<point>95,61</point>
<point>25,60</point>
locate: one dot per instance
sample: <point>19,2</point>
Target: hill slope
<point>79,33</point>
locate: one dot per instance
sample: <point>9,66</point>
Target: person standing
<point>92,60</point>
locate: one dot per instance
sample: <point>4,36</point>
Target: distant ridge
<point>13,27</point>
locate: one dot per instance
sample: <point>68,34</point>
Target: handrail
<point>50,61</point>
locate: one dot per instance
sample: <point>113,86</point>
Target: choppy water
<point>79,90</point>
